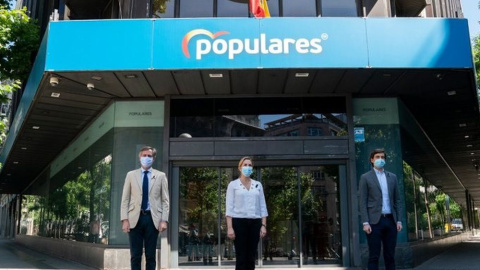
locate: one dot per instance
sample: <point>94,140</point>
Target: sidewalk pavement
<point>464,256</point>
<point>16,256</point>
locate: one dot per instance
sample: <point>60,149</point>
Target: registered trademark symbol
<point>324,36</point>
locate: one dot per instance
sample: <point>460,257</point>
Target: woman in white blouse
<point>246,215</point>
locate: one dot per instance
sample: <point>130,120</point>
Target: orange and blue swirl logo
<point>196,32</point>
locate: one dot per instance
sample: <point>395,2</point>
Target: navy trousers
<point>384,232</point>
<point>144,235</point>
<point>247,235</point>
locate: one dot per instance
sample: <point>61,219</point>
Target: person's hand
<point>163,226</point>
<point>125,226</point>
<point>367,229</point>
<point>263,231</point>
<point>231,233</point>
<point>399,227</point>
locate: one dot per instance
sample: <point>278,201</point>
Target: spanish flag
<point>259,8</point>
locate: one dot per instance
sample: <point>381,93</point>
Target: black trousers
<point>383,233</point>
<point>144,235</point>
<point>247,235</point>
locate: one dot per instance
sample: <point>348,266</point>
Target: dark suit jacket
<point>371,197</point>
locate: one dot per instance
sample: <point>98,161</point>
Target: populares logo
<point>209,42</point>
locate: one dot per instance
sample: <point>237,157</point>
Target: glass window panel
<point>196,8</point>
<point>198,217</point>
<point>227,250</point>
<point>164,8</point>
<point>78,209</point>
<point>273,7</point>
<point>299,8</point>
<point>339,8</point>
<point>320,199</point>
<point>261,117</point>
<point>232,8</point>
<point>281,245</point>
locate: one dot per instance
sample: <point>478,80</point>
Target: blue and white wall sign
<point>238,43</point>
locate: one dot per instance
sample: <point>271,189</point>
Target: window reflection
<point>196,8</point>
<point>339,8</point>
<point>164,8</point>
<point>299,8</point>
<point>78,210</point>
<point>198,217</point>
<point>226,120</point>
<point>232,8</point>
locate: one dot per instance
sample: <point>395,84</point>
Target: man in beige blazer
<point>144,209</point>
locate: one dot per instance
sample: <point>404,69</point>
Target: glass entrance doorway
<point>303,224</point>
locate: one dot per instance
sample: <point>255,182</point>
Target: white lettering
<point>248,48</point>
<point>203,47</point>
<point>220,46</point>
<point>286,45</point>
<point>316,47</point>
<point>236,47</point>
<point>263,45</point>
<point>302,45</point>
<point>276,47</point>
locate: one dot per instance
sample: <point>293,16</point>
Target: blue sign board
<point>239,43</point>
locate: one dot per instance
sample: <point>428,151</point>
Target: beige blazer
<point>157,196</point>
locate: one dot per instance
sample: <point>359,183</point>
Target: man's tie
<point>145,191</point>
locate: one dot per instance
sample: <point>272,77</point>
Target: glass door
<point>303,224</point>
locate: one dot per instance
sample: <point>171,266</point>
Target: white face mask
<point>146,161</point>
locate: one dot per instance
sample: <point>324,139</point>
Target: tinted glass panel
<point>339,8</point>
<point>232,8</point>
<point>320,214</point>
<point>299,8</point>
<point>196,8</point>
<point>281,245</point>
<point>273,7</point>
<point>259,117</point>
<point>164,9</point>
<point>198,217</point>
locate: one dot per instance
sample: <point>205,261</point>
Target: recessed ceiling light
<point>302,74</point>
<point>97,78</point>
<point>215,75</point>
<point>469,145</point>
<point>36,127</point>
<point>130,76</point>
<point>24,148</point>
<point>15,162</point>
<point>466,136</point>
<point>55,95</point>
<point>472,153</point>
<point>462,125</point>
<point>452,93</point>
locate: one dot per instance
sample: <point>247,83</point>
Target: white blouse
<point>244,203</point>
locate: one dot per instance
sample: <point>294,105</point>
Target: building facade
<point>307,93</point>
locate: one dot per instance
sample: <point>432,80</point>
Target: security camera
<point>54,81</point>
<point>90,86</point>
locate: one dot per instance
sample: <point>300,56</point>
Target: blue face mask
<point>247,171</point>
<point>146,161</point>
<point>379,163</point>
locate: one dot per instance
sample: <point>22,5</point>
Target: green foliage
<point>160,6</point>
<point>476,57</point>
<point>19,38</point>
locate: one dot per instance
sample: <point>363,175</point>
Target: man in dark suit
<point>144,209</point>
<point>380,209</point>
